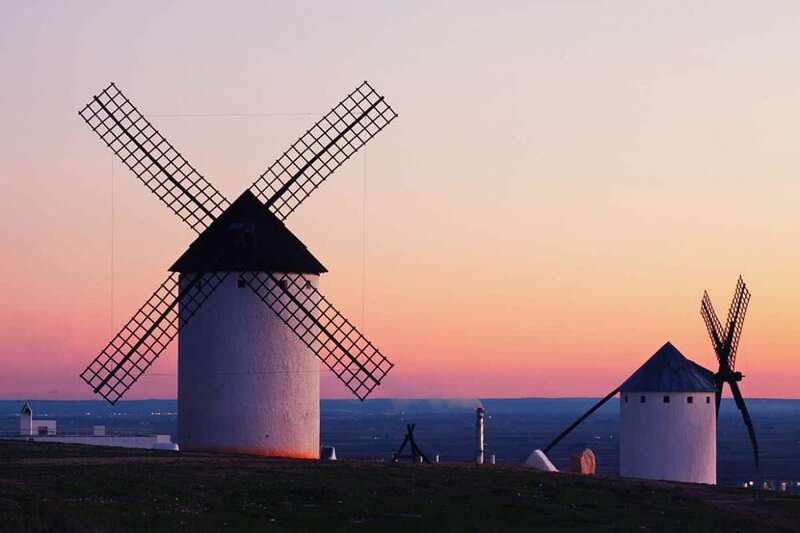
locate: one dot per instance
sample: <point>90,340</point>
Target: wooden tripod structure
<point>416,455</point>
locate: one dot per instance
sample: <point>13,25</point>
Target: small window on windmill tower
<point>626,398</point>
<point>283,284</point>
<point>642,399</point>
<point>708,399</point>
<point>689,399</point>
<point>666,399</point>
<point>240,283</point>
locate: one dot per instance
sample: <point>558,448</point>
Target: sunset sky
<point>562,183</point>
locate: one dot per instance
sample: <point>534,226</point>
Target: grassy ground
<point>54,487</point>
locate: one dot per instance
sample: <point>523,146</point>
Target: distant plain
<point>514,427</point>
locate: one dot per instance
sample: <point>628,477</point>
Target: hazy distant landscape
<point>374,429</point>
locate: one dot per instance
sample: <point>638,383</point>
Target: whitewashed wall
<point>133,441</point>
<point>246,383</point>
<point>26,424</point>
<point>674,441</point>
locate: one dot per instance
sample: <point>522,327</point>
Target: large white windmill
<point>248,373</point>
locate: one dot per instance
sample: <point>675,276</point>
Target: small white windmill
<point>669,407</point>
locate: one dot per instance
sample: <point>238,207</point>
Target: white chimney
<point>479,434</point>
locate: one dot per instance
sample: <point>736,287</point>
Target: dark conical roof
<point>247,237</point>
<point>669,371</point>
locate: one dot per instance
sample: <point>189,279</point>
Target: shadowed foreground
<point>54,487</point>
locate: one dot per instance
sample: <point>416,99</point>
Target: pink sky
<point>562,183</point>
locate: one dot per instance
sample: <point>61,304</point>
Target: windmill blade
<point>347,127</point>
<point>737,396</point>
<point>343,349</point>
<point>733,309</point>
<point>712,323</point>
<point>147,334</point>
<point>153,159</point>
<point>583,417</point>
<point>736,320</point>
<point>719,384</point>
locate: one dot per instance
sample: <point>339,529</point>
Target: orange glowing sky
<point>564,180</point>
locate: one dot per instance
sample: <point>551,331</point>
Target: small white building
<point>28,426</point>
<point>45,431</point>
<point>669,421</point>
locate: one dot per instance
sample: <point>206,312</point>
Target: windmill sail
<point>147,334</point>
<point>321,327</point>
<point>726,344</point>
<point>153,159</point>
<point>736,321</point>
<point>338,135</point>
<point>712,323</point>
<point>292,178</point>
<point>737,396</point>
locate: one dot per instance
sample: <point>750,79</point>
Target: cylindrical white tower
<point>26,420</point>
<point>246,383</point>
<point>668,421</point>
<point>480,417</point>
<point>674,440</point>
